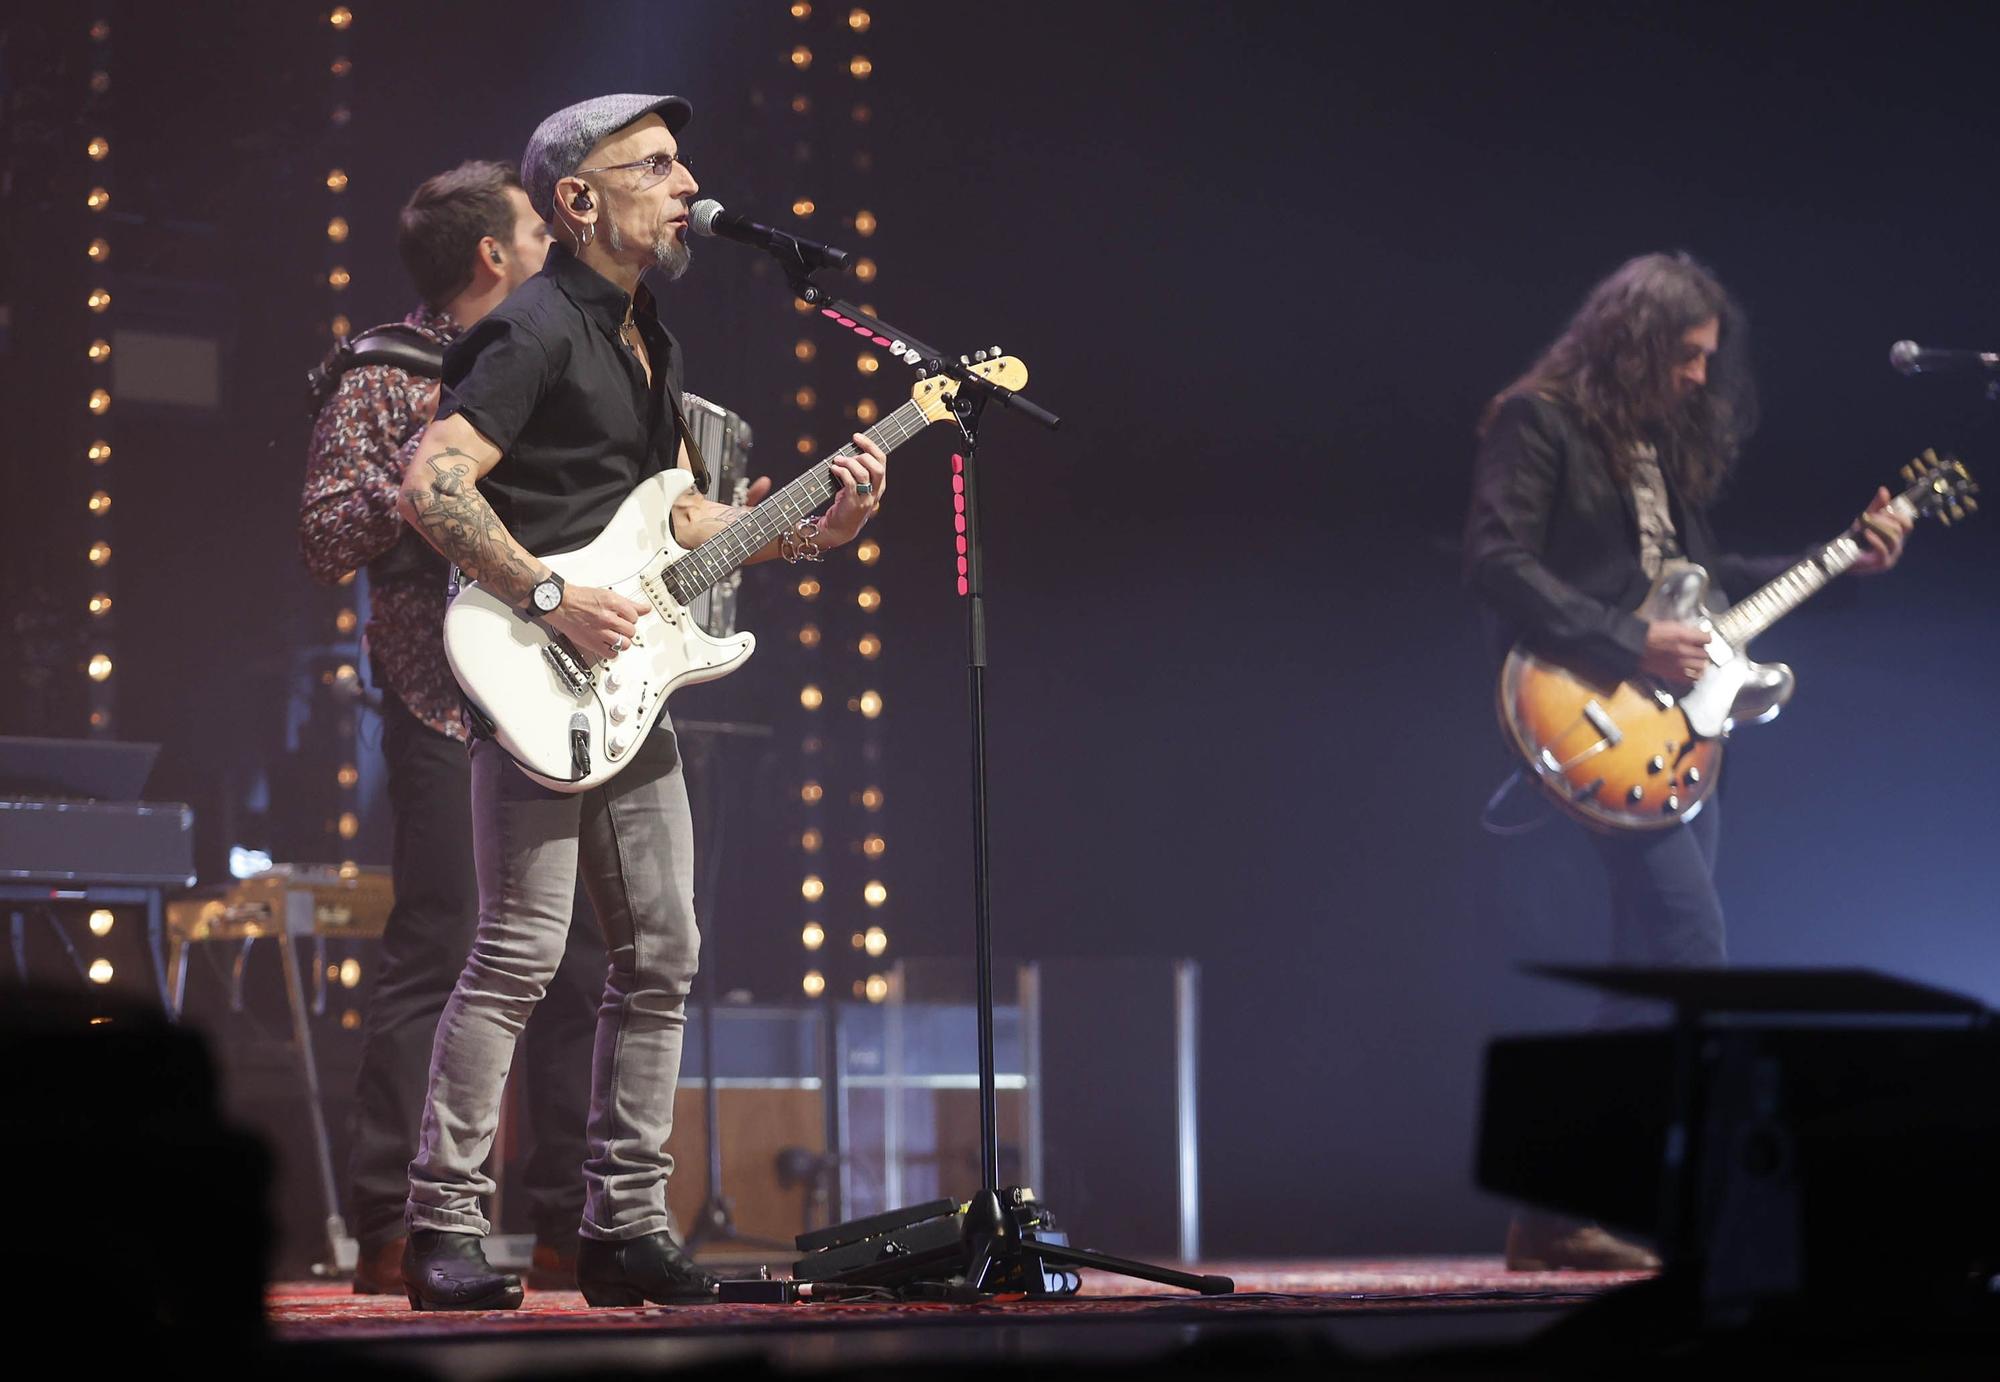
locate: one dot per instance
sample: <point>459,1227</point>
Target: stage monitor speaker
<point>1806,1154</point>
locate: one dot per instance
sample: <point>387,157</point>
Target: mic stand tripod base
<point>997,1241</point>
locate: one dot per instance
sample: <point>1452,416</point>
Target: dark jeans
<point>424,945</point>
<point>1664,913</point>
<point>1664,908</point>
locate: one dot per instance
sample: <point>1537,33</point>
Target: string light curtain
<point>842,840</point>
<point>344,635</point>
<point>100,660</point>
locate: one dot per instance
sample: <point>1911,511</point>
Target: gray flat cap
<point>556,148</point>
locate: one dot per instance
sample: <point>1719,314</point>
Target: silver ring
<point>617,643</point>
<point>864,487</point>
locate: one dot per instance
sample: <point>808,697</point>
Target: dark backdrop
<point>1268,261</point>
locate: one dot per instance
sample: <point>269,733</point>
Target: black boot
<point>638,1270</point>
<point>448,1271</point>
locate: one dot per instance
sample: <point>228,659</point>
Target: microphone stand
<point>1002,1251</point>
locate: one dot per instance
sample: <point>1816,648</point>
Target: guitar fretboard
<point>782,511</point>
<point>1769,603</point>
<point>1764,607</point>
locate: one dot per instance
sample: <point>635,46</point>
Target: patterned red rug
<point>314,1310</point>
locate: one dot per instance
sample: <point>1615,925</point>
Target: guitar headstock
<point>1940,488</point>
<point>934,395</point>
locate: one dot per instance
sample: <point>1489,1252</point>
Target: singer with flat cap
<point>554,407</point>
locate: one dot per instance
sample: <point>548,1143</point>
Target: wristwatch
<point>547,595</point>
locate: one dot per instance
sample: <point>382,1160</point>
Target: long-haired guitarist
<point>555,407</point>
<point>1595,468</point>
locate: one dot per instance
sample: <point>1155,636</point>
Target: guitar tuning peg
<point>993,354</point>
<point>963,361</point>
<point>1909,472</point>
<point>1957,514</point>
<point>978,357</point>
<point>1972,505</point>
<point>1930,455</point>
<point>1944,518</point>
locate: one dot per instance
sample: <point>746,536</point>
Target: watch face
<point>547,596</point>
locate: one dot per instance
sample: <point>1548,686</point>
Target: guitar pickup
<point>1603,724</point>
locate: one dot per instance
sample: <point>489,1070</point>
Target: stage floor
<point>1347,1307</point>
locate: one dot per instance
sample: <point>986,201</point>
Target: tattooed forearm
<point>456,519</point>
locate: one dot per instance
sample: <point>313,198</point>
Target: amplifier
<point>302,899</point>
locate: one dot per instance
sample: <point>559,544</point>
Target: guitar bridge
<point>567,668</point>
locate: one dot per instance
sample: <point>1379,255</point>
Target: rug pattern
<point>328,1311</point>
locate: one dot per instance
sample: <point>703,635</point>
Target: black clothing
<point>546,378</point>
<point>1552,542</point>
<point>1665,912</point>
<point>1552,547</point>
<point>424,945</point>
<point>449,1271</point>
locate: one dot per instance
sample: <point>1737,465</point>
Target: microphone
<point>708,218</point>
<point>1907,357</point>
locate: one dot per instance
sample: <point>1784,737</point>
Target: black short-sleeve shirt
<point>548,380</point>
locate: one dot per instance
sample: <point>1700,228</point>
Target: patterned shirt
<point>1659,543</point>
<point>362,440</point>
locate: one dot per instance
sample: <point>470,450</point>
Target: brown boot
<point>553,1267</point>
<point>1537,1243</point>
<point>378,1271</point>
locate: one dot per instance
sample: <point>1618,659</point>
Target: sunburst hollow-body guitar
<point>1637,755</point>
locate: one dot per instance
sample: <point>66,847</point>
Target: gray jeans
<point>634,842</point>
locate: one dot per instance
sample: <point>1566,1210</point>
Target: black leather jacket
<point>1552,543</point>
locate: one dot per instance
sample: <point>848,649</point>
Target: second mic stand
<point>999,1224</point>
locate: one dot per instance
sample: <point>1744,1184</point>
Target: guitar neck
<point>1765,606</point>
<point>782,512</point>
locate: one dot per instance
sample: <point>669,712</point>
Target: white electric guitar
<point>573,724</point>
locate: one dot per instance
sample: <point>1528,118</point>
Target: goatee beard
<point>671,254</point>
